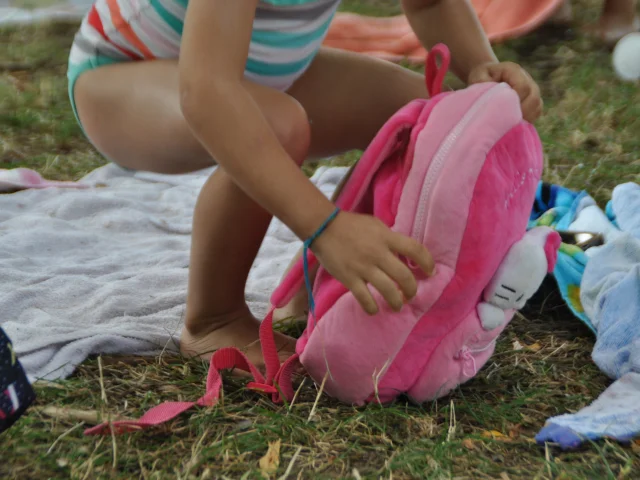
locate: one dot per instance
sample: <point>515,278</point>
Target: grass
<point>483,430</point>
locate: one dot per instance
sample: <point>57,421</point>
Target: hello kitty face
<point>507,297</point>
<point>520,275</point>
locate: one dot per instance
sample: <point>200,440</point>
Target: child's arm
<point>229,123</point>
<point>455,23</point>
<point>356,249</point>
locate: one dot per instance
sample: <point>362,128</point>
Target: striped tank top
<point>286,35</point>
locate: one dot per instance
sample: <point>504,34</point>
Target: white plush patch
<point>517,279</point>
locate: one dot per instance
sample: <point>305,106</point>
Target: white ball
<point>626,57</point>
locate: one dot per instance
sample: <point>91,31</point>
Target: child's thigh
<point>131,112</point>
<point>349,96</point>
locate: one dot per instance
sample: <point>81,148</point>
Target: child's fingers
<point>518,79</point>
<point>524,86</point>
<point>364,297</point>
<point>511,74</point>
<point>401,274</point>
<point>532,107</point>
<point>413,250</point>
<point>481,75</point>
<point>387,288</point>
<point>532,104</point>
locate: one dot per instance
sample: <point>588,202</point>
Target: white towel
<point>610,295</point>
<point>13,12</point>
<point>104,270</point>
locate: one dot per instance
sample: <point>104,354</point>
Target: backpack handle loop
<point>435,74</point>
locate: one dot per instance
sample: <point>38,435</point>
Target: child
<point>618,18</point>
<point>166,86</point>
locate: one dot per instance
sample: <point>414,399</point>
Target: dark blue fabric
<point>16,393</point>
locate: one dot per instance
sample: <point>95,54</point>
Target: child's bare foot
<point>610,30</point>
<point>240,330</point>
<point>618,19</point>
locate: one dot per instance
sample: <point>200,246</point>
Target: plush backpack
<point>457,172</point>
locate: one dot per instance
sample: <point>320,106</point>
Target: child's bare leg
<point>228,228</point>
<point>619,17</point>
<point>132,114</point>
<point>336,92</point>
<point>346,97</point>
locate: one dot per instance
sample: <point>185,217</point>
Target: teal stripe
<point>74,71</point>
<point>277,3</point>
<point>167,16</point>
<point>277,69</point>
<point>288,3</point>
<point>290,39</point>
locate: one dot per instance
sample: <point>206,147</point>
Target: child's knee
<point>293,130</point>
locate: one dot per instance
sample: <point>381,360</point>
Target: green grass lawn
<point>591,132</point>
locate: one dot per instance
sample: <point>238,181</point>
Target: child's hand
<point>518,79</point>
<point>359,249</point>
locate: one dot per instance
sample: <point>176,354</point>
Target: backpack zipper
<point>440,157</point>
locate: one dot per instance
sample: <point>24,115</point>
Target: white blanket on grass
<point>104,270</point>
<point>26,12</point>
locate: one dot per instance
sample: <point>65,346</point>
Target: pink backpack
<point>458,172</point>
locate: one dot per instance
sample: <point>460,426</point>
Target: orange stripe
<point>96,22</point>
<point>124,28</point>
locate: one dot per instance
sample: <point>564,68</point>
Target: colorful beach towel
<point>557,207</point>
<point>611,298</point>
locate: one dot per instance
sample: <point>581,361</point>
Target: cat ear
<point>551,245</point>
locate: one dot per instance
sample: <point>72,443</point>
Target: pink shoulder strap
<point>278,383</point>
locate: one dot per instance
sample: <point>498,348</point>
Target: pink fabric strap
<point>434,74</point>
<point>278,383</point>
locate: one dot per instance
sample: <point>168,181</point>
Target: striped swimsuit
<point>286,36</point>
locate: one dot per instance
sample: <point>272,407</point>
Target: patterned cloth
<point>610,295</point>
<point>557,207</point>
<point>16,393</point>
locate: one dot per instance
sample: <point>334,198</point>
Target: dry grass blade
<point>291,464</point>
<point>90,417</point>
<point>315,404</point>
